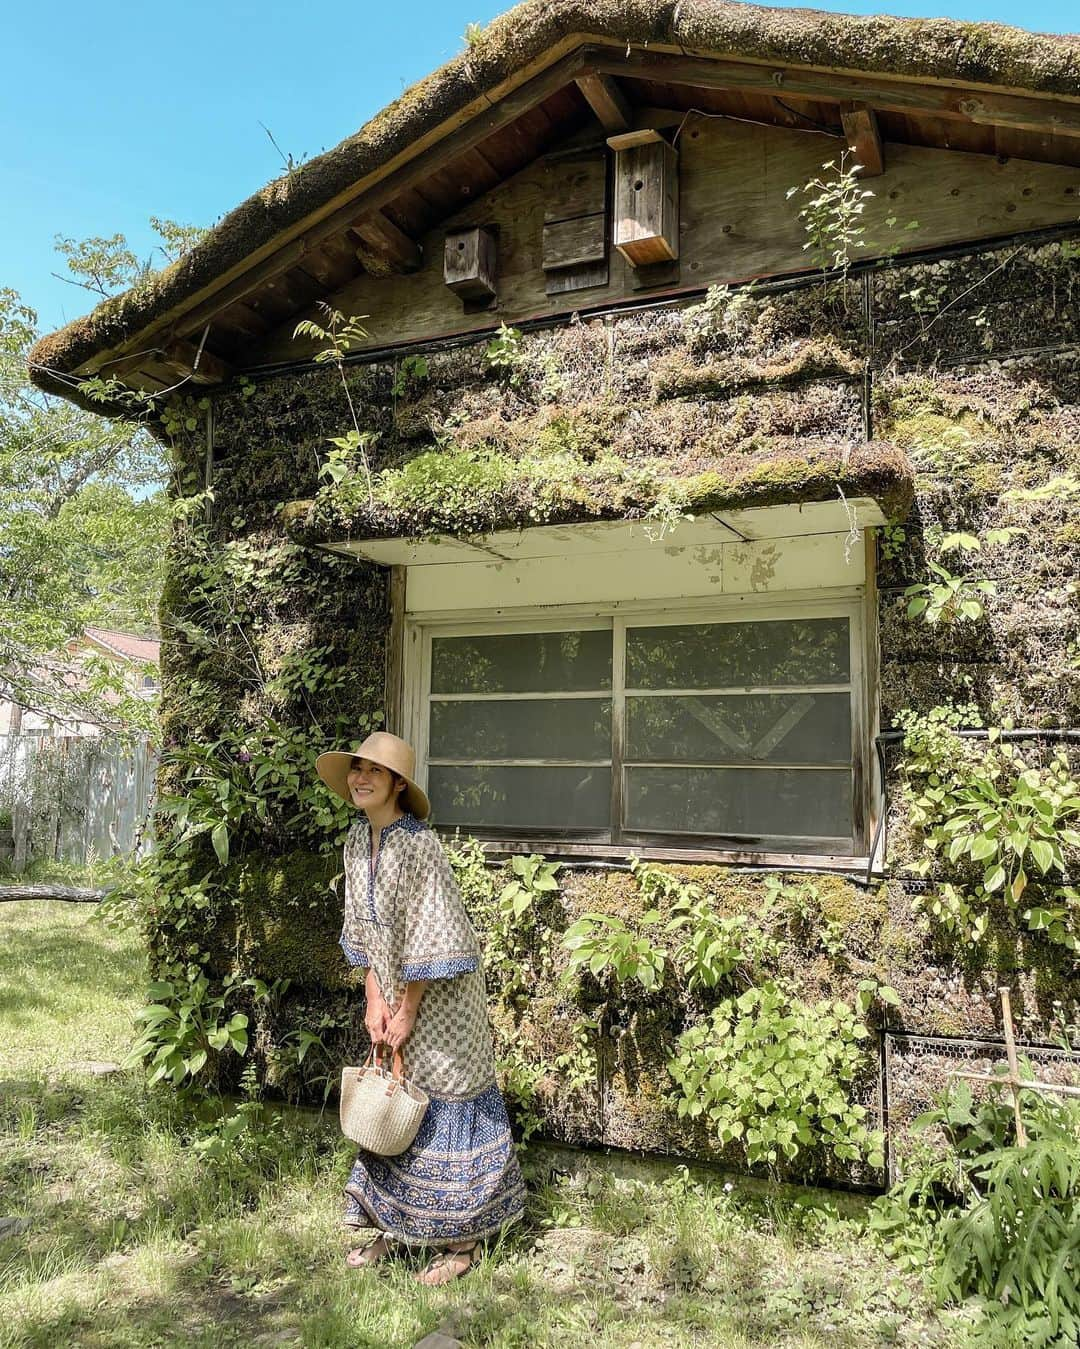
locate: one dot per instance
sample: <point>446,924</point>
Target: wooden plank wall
<point>736,224</point>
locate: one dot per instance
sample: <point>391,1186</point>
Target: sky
<point>110,114</point>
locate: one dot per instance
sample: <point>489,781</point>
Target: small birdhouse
<point>469,265</point>
<point>646,227</point>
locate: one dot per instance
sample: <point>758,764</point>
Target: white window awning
<point>797,520</point>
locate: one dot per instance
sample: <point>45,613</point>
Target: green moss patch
<point>479,491</point>
<point>804,360</point>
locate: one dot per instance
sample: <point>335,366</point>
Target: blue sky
<point>112,113</point>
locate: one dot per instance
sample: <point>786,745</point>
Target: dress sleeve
<point>350,941</point>
<point>439,941</point>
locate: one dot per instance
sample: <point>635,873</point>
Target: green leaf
<point>1043,854</point>
<point>219,837</point>
<point>994,879</point>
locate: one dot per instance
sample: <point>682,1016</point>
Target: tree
<point>106,266</point>
<point>83,518</point>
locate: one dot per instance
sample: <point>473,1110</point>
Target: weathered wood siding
<point>735,224</point>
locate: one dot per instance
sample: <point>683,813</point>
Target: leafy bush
<point>769,1071</point>
<point>505,356</point>
<point>994,1222</point>
<point>998,822</point>
<point>454,489</point>
<point>949,598</point>
<point>188,1025</point>
<point>253,782</point>
<point>609,949</point>
<point>514,927</point>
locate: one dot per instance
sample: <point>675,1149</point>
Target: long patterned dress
<point>404,919</point>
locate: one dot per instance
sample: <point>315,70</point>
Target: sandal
<point>444,1266</point>
<point>362,1257</point>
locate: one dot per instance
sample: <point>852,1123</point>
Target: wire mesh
<point>917,1072</point>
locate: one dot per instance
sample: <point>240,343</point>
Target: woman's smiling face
<point>371,786</point>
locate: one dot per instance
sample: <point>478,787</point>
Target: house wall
<point>972,367</point>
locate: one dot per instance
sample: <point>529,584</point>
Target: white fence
<point>73,798</point>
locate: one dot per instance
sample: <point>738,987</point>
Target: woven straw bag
<point>380,1110</point>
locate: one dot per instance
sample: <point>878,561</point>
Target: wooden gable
<point>736,225</point>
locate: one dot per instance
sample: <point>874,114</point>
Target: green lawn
<point>136,1238</point>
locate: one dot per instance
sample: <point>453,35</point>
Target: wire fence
<point>917,1072</point>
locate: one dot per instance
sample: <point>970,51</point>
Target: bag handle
<point>397,1062</point>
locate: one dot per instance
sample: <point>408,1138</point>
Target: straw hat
<point>382,748</point>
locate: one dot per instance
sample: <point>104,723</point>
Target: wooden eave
<point>377,223</point>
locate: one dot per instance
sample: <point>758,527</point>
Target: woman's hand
<point>378,1014</point>
<point>376,1021</point>
<point>399,1027</point>
<point>403,1017</point>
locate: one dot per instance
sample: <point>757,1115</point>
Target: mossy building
<point>625,556</point>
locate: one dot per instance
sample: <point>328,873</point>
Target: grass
<point>137,1237</point>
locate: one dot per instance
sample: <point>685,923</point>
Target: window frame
<point>616,841</point>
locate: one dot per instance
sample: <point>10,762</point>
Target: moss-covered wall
<point>969,366</point>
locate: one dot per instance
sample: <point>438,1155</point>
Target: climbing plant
<point>994,828</point>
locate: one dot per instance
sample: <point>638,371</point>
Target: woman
<point>405,924</point>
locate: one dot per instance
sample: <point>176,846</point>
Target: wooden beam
<point>861,130</point>
<point>332,263</point>
<point>608,102</point>
<point>203,367</point>
<point>380,235</point>
<point>241,318</point>
<point>1050,114</point>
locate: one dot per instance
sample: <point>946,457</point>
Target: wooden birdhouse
<point>646,229</point>
<point>469,265</point>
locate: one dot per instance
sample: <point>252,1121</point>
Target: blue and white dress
<point>404,919</point>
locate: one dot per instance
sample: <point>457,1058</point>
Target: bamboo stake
<point>1014,1065</point>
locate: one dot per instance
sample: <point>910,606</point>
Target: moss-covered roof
<point>938,49</point>
<point>446,494</point>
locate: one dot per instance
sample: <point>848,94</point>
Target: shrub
<point>994,1222</point>
<point>770,1072</point>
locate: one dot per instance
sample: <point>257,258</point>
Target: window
<point>718,728</point>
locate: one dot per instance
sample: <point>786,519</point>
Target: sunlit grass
<point>136,1240</point>
<point>68,988</point>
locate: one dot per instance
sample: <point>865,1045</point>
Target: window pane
<point>522,662</point>
<point>522,798</point>
<point>548,728</point>
<point>741,728</point>
<point>751,802</point>
<point>734,655</point>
